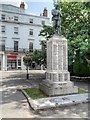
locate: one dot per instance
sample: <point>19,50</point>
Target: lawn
<point>80,91</point>
<point>35,93</point>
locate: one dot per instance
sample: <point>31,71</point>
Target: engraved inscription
<point>66,76</point>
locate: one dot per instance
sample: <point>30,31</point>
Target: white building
<point>18,34</point>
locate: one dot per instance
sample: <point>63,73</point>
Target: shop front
<point>13,62</point>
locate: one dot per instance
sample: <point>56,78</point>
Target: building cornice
<point>22,23</point>
<point>3,37</point>
<point>15,38</point>
<point>10,5</point>
<point>30,15</point>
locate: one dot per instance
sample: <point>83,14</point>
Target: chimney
<point>45,12</point>
<point>22,5</point>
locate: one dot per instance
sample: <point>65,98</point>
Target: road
<point>14,104</point>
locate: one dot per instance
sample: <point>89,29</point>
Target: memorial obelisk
<point>57,76</point>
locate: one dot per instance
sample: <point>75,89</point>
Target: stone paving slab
<point>49,102</point>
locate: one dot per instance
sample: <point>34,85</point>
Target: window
<point>3,17</point>
<point>31,32</point>
<point>15,18</point>
<point>43,22</point>
<point>19,62</point>
<point>31,21</point>
<point>2,45</point>
<point>30,47</point>
<point>15,30</point>
<point>15,46</point>
<point>3,29</point>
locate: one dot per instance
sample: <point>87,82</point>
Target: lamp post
<point>27,63</point>
<point>27,72</point>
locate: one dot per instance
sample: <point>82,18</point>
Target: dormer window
<point>31,20</point>
<point>15,18</point>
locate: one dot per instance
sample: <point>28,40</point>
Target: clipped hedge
<point>81,69</point>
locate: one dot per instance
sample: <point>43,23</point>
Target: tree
<point>47,32</point>
<point>27,59</point>
<point>75,23</point>
<point>39,57</point>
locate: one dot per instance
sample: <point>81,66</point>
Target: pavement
<point>13,103</point>
<point>58,101</point>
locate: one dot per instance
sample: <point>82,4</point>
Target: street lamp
<point>27,59</point>
<point>27,76</point>
<point>27,63</point>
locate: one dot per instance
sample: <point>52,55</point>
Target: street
<point>15,105</point>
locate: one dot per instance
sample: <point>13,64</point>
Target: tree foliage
<point>39,56</point>
<point>76,28</point>
<point>47,32</point>
<point>27,59</point>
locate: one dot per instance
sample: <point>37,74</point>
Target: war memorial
<point>57,80</point>
<point>58,88</point>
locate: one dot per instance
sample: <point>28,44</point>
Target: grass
<point>80,91</point>
<point>35,93</point>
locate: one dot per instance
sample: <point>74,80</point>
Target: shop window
<point>19,62</point>
<point>11,63</point>
<point>15,46</point>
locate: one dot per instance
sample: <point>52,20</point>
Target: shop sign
<point>11,56</point>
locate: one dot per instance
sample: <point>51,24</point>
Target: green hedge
<point>81,69</point>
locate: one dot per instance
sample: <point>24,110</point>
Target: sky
<point>33,6</point>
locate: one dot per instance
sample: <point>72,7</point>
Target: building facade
<point>18,34</point>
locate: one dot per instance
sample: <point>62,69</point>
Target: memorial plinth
<point>57,76</point>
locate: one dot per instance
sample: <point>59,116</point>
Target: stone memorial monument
<point>57,76</point>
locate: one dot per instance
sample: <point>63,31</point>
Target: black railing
<point>16,50</point>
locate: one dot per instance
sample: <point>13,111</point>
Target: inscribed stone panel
<point>64,57</point>
<point>60,77</point>
<point>66,76</point>
<point>60,57</point>
<point>54,77</point>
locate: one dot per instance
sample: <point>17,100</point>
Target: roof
<point>18,10</point>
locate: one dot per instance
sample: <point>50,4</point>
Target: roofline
<point>10,5</point>
<point>26,14</point>
<point>23,13</point>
